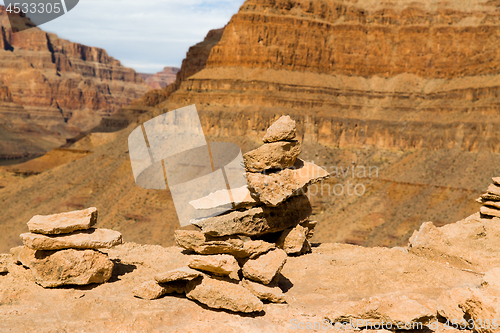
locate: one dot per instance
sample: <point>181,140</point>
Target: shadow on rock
<point>120,269</point>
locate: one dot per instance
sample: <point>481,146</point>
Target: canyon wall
<point>161,79</point>
<point>60,89</point>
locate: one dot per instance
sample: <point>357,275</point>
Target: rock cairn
<point>61,249</point>
<point>236,258</point>
<point>491,199</point>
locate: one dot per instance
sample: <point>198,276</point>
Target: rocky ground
<point>442,271</point>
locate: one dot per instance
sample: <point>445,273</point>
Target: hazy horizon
<point>156,35</point>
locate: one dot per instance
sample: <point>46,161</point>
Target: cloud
<point>144,35</point>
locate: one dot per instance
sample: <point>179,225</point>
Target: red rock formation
<point>161,79</point>
<point>66,87</point>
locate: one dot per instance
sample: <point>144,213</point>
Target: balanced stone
<point>152,290</point>
<point>259,220</point>
<point>265,267</point>
<point>490,211</point>
<point>496,180</point>
<point>63,223</point>
<point>183,273</point>
<point>220,294</point>
<point>271,293</point>
<point>492,204</point>
<point>292,240</point>
<point>276,155</point>
<point>67,267</point>
<point>203,244</point>
<point>86,239</point>
<point>240,197</point>
<point>274,188</point>
<point>489,197</point>
<point>494,189</point>
<point>222,265</point>
<point>284,129</point>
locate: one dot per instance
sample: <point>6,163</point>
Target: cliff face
<point>161,79</point>
<point>65,87</point>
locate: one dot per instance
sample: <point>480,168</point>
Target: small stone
<point>276,155</point>
<point>272,189</point>
<point>153,290</point>
<point>63,223</point>
<point>265,267</point>
<point>183,273</point>
<point>200,243</point>
<point>284,129</point>
<point>241,197</point>
<point>271,293</point>
<point>222,265</point>
<point>310,225</point>
<point>259,220</point>
<point>220,294</point>
<point>292,240</point>
<point>86,239</point>
<point>67,267</point>
<point>494,189</point>
<point>490,211</point>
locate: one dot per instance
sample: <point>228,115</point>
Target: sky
<point>146,35</point>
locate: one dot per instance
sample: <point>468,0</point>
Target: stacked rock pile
<point>236,258</point>
<point>491,199</point>
<point>61,249</point>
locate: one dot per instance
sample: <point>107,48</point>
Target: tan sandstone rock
<point>183,273</point>
<point>490,211</point>
<point>222,198</point>
<point>265,267</point>
<point>153,290</point>
<point>489,197</point>
<point>284,129</point>
<point>67,267</point>
<point>63,223</point>
<point>491,204</point>
<point>221,264</point>
<point>203,244</point>
<point>396,310</point>
<point>3,269</point>
<point>492,278</point>
<point>86,239</point>
<point>271,293</point>
<point>276,155</point>
<point>494,189</point>
<point>292,240</point>
<point>259,220</point>
<point>274,188</point>
<point>220,294</point>
<point>448,304</point>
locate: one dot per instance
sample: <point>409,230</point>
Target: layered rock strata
<point>63,249</point>
<point>240,254</point>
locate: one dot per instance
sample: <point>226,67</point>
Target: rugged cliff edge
<point>52,89</point>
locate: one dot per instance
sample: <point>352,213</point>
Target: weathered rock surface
<point>3,269</point>
<point>490,211</point>
<point>271,293</point>
<point>161,79</point>
<point>488,196</point>
<point>183,273</point>
<point>258,220</point>
<point>284,129</point>
<point>203,244</point>
<point>491,204</point>
<point>276,155</point>
<point>220,294</point>
<point>396,310</point>
<point>292,240</point>
<point>222,265</point>
<point>274,188</point>
<point>153,290</point>
<point>222,199</point>
<point>492,278</point>
<point>265,267</point>
<point>87,239</point>
<point>494,189</point>
<point>63,223</point>
<point>66,267</point>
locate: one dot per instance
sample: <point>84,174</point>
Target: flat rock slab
<point>284,129</point>
<point>153,290</point>
<point>271,293</point>
<point>494,189</point>
<point>490,211</point>
<point>393,310</point>
<point>274,188</point>
<point>491,204</point>
<point>489,197</point>
<point>221,264</point>
<point>239,197</point>
<point>220,294</point>
<point>276,155</point>
<point>183,273</point>
<point>67,267</point>
<point>203,244</point>
<point>265,267</point>
<point>63,223</point>
<point>259,220</point>
<point>86,239</point>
